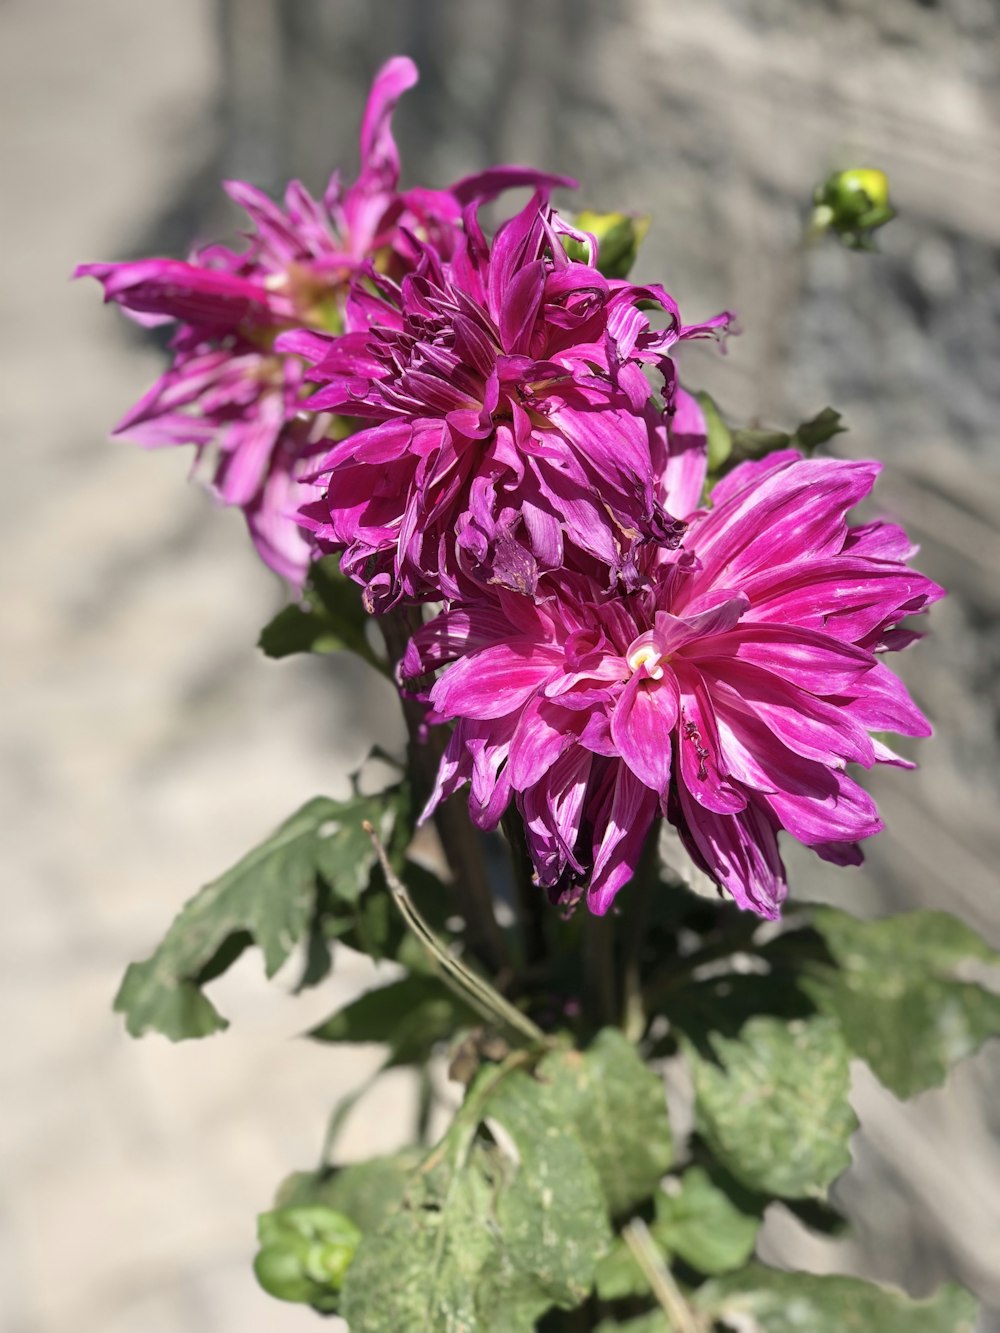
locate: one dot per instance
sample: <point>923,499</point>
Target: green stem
<point>600,986</point>
<point>474,989</point>
<point>679,1314</point>
<point>638,905</point>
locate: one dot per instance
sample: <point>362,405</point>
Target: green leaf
<point>773,1302</point>
<point>653,1322</point>
<point>702,1225</point>
<point>775,1109</point>
<point>895,994</point>
<point>503,1220</point>
<point>410,1016</point>
<point>618,1276</point>
<point>720,437</point>
<point>366,1192</point>
<point>329,618</point>
<point>618,1107</point>
<point>751,442</point>
<point>271,898</point>
<point>818,430</point>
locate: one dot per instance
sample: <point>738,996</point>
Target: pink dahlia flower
<point>730,694</point>
<point>227,391</point>
<point>513,431</point>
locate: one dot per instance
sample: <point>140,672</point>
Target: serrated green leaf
<point>268,898</point>
<point>701,1224</point>
<point>410,1016</point>
<point>896,997</point>
<point>619,1109</point>
<point>804,1303</point>
<point>329,618</point>
<point>503,1220</point>
<point>775,1109</point>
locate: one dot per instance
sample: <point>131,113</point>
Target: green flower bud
<point>305,1254</point>
<point>853,204</point>
<point>618,235</point>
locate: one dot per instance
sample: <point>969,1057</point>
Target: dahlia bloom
<point>513,431</point>
<point>228,391</point>
<point>730,692</point>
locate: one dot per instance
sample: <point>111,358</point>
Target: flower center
<point>648,656</point>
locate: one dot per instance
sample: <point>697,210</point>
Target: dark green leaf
<point>503,1220</point>
<point>798,1302</point>
<point>410,1016</point>
<point>775,1109</point>
<point>270,898</point>
<point>618,1107</point>
<point>653,1322</point>
<point>329,618</point>
<point>818,430</point>
<point>754,443</point>
<point>896,997</point>
<point>702,1225</point>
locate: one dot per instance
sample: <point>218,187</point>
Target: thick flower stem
<point>460,841</point>
<point>637,909</point>
<point>601,989</point>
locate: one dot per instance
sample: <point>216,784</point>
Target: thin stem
<point>473,988</point>
<point>531,901</point>
<point>682,1318</point>
<point>638,904</point>
<point>460,841</point>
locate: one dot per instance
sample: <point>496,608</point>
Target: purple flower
<point>513,431</point>
<point>228,391</point>
<point>730,693</point>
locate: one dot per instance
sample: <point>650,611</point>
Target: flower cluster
<point>492,426</point>
<point>231,391</point>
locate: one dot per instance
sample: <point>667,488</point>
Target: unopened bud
<point>618,237</point>
<point>853,204</point>
<point>305,1254</point>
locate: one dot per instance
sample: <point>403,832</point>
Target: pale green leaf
<point>503,1220</point>
<point>619,1109</point>
<point>775,1109</point>
<point>896,996</point>
<point>772,1302</point>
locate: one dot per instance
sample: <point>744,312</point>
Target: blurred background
<point>146,744</point>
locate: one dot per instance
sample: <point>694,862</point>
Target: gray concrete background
<point>145,744</point>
